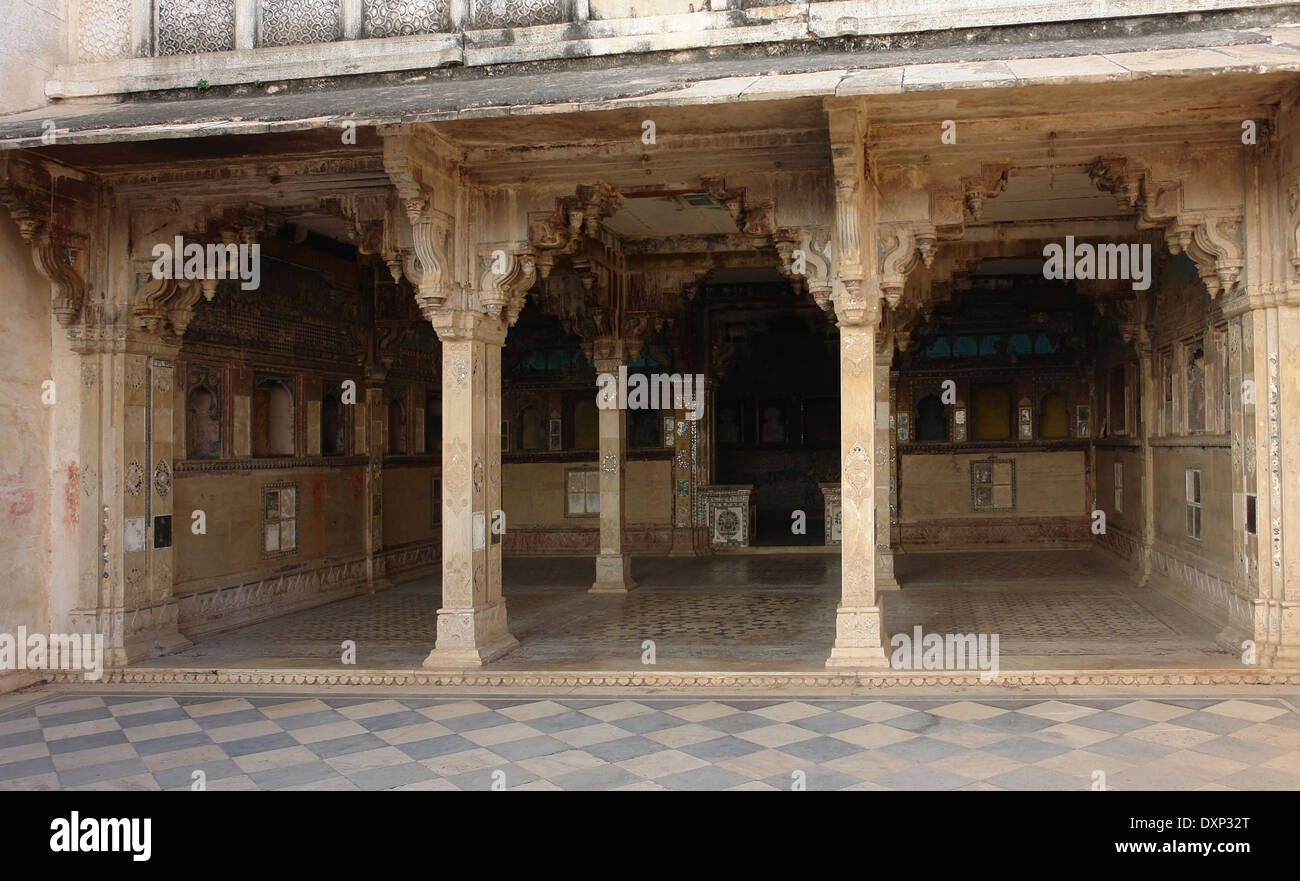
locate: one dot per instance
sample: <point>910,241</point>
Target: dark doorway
<point>777,423</point>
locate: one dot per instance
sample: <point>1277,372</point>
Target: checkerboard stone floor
<point>148,740</point>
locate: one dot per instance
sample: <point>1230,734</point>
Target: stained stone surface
<point>1057,609</point>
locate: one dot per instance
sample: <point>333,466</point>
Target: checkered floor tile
<point>173,741</point>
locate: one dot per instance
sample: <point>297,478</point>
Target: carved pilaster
<point>859,638</point>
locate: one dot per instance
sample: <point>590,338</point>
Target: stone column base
<point>885,579</point>
<point>857,638</point>
<point>1232,638</point>
<point>153,631</point>
<point>471,637</point>
<point>1278,622</point>
<point>613,574</point>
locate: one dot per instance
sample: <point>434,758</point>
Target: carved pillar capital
<point>458,325</point>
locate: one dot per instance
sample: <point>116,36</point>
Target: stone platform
<point>1063,617</point>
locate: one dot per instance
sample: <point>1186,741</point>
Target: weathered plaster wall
<point>330,523</point>
<point>408,504</point>
<point>1127,519</point>
<point>533,499</point>
<point>32,41</point>
<point>28,507</point>
<point>935,500</point>
<point>1215,465</point>
<point>533,493</point>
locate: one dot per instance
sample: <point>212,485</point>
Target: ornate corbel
<point>368,215</point>
<point>1124,312</point>
<point>166,305</point>
<point>50,209</point>
<point>430,269</point>
<point>597,201</point>
<point>1111,174</point>
<point>1158,205</point>
<point>1212,241</point>
<point>504,284</point>
<point>760,223</point>
<point>58,263</point>
<point>1213,245</point>
<point>901,247</point>
<point>978,189</point>
<point>813,247</point>
<point>575,217</point>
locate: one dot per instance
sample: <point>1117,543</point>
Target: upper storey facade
<point>62,49</point>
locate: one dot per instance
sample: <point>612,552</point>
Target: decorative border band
<point>557,679</point>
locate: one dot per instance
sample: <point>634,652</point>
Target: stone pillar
<point>857,296</point>
<point>1149,402</point>
<point>376,444</point>
<point>1264,606</point>
<point>613,564</point>
<point>1263,313</point>
<point>683,477</point>
<point>884,464</point>
<point>472,628</point>
<point>127,417</point>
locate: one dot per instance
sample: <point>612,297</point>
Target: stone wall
<point>937,507</point>
<point>32,35</point>
<point>533,499</point>
<point>40,496</point>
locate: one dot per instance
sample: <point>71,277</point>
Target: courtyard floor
<point>317,738</point>
<point>1052,610</point>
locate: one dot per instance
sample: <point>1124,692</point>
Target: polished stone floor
<point>1052,609</point>
<point>160,738</point>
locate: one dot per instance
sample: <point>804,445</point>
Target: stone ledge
<point>800,21</point>
<point>257,114</point>
<point>563,679</point>
<point>128,75</point>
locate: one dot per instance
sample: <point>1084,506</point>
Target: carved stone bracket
<point>1211,239</point>
<point>429,268</point>
<point>806,260</point>
<point>575,216</point>
<point>49,213</point>
<point>509,270</point>
<point>368,214</point>
<point>62,267</point>
<point>978,189</point>
<point>901,246</point>
<point>1214,244</point>
<point>165,306</point>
